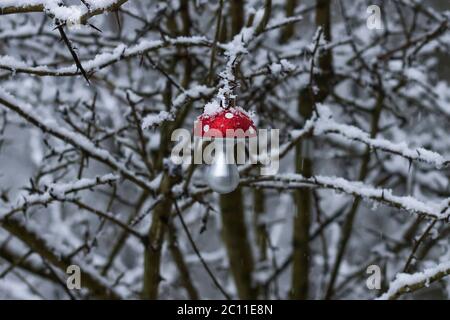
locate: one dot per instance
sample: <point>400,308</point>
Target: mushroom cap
<point>225,123</point>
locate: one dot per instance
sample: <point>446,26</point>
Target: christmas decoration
<point>224,126</point>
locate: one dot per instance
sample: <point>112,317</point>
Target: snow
<point>287,66</point>
<point>60,191</point>
<point>18,32</point>
<point>359,189</point>
<point>193,93</point>
<point>234,51</point>
<point>59,254</point>
<point>282,67</point>
<point>12,62</point>
<point>101,60</point>
<point>276,68</point>
<point>212,108</point>
<point>277,22</point>
<point>70,14</point>
<point>403,281</point>
<point>326,125</point>
<point>61,141</point>
<point>69,136</point>
<point>155,119</point>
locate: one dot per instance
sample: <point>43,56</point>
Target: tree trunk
<point>302,197</point>
<point>260,226</point>
<point>234,234</point>
<point>183,269</point>
<point>152,254</point>
<point>237,16</point>
<point>289,30</point>
<point>323,19</point>
<point>303,155</point>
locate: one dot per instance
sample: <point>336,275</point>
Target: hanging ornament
<point>225,126</point>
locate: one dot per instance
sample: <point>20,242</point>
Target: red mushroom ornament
<point>224,126</point>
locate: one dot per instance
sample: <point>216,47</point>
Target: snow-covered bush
<point>90,92</point>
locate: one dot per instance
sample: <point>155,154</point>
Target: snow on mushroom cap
<point>225,123</point>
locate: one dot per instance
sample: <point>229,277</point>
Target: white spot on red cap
<point>206,128</point>
<point>228,115</point>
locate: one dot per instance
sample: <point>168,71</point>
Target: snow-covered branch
<point>101,60</point>
<point>406,283</point>
<point>69,14</point>
<point>191,94</point>
<point>25,111</point>
<point>59,257</point>
<point>86,176</point>
<point>440,211</point>
<point>325,125</point>
<point>58,191</point>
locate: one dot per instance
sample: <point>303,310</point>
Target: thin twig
<point>197,252</point>
<point>72,52</point>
